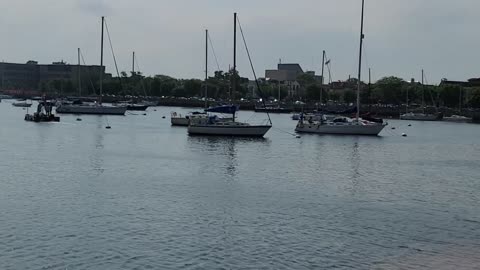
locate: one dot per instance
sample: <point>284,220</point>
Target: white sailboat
<point>211,126</point>
<point>97,107</point>
<point>344,125</point>
<point>420,116</point>
<point>459,118</point>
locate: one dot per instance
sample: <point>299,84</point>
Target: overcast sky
<point>402,36</point>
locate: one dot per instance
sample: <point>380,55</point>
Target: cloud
<point>95,7</point>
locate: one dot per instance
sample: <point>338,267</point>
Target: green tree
<point>349,96</point>
<point>450,95</point>
<point>390,90</point>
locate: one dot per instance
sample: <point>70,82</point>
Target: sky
<point>402,37</point>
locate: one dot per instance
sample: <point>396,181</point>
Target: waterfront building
<point>30,76</point>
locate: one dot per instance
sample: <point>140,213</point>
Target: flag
<point>328,62</point>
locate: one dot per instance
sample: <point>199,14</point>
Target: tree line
<point>388,90</point>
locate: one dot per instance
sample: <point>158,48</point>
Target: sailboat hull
<point>351,129</point>
<point>99,110</point>
<point>228,130</point>
<point>420,117</point>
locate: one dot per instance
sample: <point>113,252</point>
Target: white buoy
<point>404,134</point>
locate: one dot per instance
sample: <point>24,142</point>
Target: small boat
<point>22,104</point>
<point>184,120</point>
<point>458,119</point>
<point>43,114</point>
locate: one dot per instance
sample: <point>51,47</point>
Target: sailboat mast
<point>234,85</point>
<point>79,77</point>
<point>101,60</point>
<point>321,84</point>
<point>133,63</point>
<point>369,84</point>
<point>423,94</point>
<point>460,100</point>
<point>206,67</point>
<point>234,79</point>
<point>360,63</point>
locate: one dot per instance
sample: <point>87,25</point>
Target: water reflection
<point>355,162</point>
<point>96,158</point>
<point>224,150</point>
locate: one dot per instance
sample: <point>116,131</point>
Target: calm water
<point>144,195</point>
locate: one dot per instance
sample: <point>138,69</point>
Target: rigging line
<point>113,54</point>
<point>365,56</point>
<point>429,90</point>
<point>142,82</point>
<point>213,51</point>
<point>328,68</point>
<point>253,70</point>
<point>89,78</point>
<point>284,131</point>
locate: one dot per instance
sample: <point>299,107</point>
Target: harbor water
<point>145,195</point>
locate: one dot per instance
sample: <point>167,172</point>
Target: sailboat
<point>344,125</point>
<point>209,126</point>
<point>177,119</point>
<point>97,107</point>
<point>458,118</point>
<point>420,116</point>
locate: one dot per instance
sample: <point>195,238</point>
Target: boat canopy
<point>230,109</point>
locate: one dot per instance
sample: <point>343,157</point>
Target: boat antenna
<point>360,63</point>
<point>253,71</point>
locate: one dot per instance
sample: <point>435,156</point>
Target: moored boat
<point>344,125</point>
<point>421,116</point>
<point>458,119</point>
<point>22,104</point>
<point>340,126</point>
<point>177,119</point>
